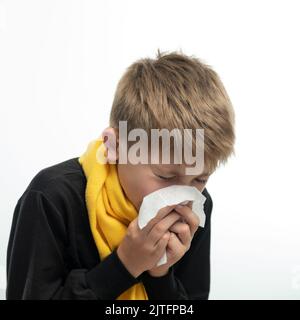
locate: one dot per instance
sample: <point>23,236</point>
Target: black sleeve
<point>189,278</point>
<point>36,257</point>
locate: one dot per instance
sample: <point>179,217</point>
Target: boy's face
<point>138,180</point>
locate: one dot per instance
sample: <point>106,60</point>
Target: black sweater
<point>51,252</point>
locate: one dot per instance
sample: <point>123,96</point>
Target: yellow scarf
<point>110,211</point>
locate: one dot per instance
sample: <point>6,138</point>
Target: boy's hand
<point>141,249</point>
<point>189,217</point>
<point>182,233</point>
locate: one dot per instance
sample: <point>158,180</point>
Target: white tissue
<point>172,195</point>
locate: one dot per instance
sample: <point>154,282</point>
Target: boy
<point>75,233</point>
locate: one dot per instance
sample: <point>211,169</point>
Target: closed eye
<point>201,180</point>
<point>165,178</point>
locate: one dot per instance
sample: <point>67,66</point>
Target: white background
<point>59,65</point>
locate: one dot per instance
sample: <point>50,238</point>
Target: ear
<point>110,137</point>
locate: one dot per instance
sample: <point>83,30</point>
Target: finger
<point>183,232</point>
<point>189,216</point>
<point>189,204</point>
<point>162,242</point>
<point>159,216</point>
<point>162,227</point>
<point>175,245</point>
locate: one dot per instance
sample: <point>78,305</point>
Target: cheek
<point>135,183</point>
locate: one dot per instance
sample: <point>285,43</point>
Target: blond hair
<point>177,91</point>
